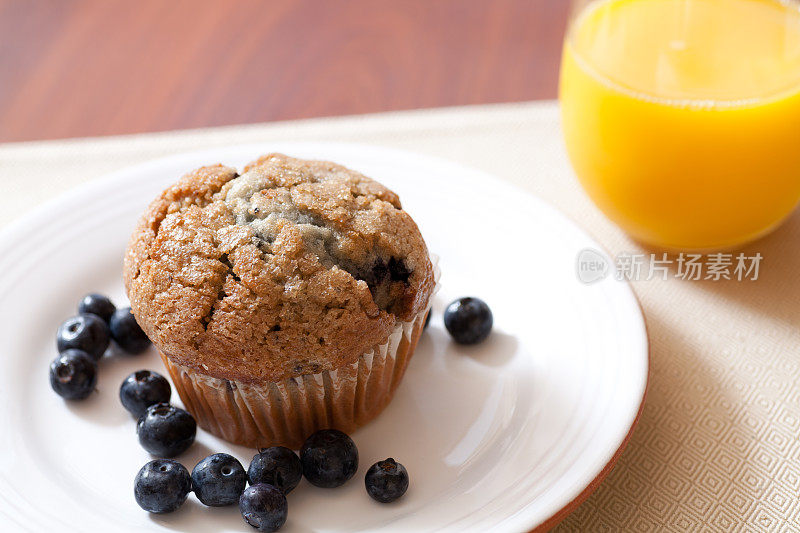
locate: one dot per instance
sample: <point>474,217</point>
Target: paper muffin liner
<point>285,413</point>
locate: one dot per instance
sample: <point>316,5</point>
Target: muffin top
<point>292,267</point>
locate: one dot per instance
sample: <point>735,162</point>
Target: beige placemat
<point>717,445</point>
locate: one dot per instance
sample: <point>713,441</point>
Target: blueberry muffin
<point>284,299</point>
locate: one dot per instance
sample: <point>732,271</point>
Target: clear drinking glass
<point>682,117</point>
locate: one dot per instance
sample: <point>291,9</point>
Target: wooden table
<point>81,68</point>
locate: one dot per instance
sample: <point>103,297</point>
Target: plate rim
<point>595,484</point>
<point>33,217</point>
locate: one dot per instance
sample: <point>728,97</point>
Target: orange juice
<point>682,117</point>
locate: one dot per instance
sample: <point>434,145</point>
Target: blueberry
<point>427,320</point>
<point>97,304</point>
<point>329,458</point>
<point>126,331</point>
<point>386,480</point>
<point>73,374</point>
<point>218,480</point>
<point>469,320</point>
<point>166,431</point>
<point>161,486</point>
<point>277,466</point>
<point>264,507</point>
<point>83,332</point>
<point>142,389</point>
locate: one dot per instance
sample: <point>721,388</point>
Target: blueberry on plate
<point>277,466</point>
<point>142,389</point>
<point>166,431</point>
<point>427,320</point>
<point>126,331</point>
<point>218,480</point>
<point>83,332</point>
<point>386,480</point>
<point>329,458</point>
<point>264,507</point>
<point>73,374</point>
<point>97,304</point>
<point>469,320</point>
<point>161,486</point>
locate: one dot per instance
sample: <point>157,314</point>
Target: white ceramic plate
<point>505,436</point>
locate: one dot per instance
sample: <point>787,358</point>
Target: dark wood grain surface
<point>78,68</point>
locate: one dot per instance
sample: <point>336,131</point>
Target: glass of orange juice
<point>682,117</point>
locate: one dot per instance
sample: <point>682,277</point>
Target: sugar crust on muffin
<point>293,267</point>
